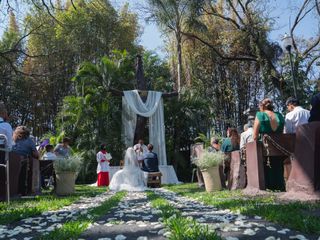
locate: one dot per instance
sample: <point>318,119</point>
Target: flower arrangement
<point>68,164</point>
<point>209,159</point>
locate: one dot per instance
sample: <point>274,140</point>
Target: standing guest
<point>247,135</point>
<point>268,121</point>
<point>49,153</point>
<point>229,144</point>
<point>103,159</point>
<point>63,149</point>
<point>23,144</point>
<point>296,115</point>
<point>315,108</point>
<point>5,127</point>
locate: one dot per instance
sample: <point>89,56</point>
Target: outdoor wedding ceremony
<point>160,119</point>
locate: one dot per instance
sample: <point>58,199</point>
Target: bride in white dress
<point>131,177</point>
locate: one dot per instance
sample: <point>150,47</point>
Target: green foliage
<point>93,115</point>
<point>203,138</point>
<point>60,44</point>
<point>210,159</point>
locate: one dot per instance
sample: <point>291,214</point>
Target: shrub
<point>209,159</point>
<point>69,164</point>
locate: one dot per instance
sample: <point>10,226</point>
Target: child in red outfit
<point>103,159</point>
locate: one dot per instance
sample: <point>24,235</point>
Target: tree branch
<point>229,58</point>
<point>313,45</point>
<point>311,63</point>
<point>296,22</point>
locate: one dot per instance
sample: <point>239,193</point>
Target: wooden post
<point>141,129</point>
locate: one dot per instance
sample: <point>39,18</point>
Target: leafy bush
<point>70,164</point>
<point>210,159</point>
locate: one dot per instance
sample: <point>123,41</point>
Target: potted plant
<point>209,163</point>
<point>66,170</point>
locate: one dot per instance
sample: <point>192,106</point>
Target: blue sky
<point>283,11</point>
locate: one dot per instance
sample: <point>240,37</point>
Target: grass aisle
<point>295,215</point>
<point>180,227</point>
<point>73,229</point>
<point>29,207</point>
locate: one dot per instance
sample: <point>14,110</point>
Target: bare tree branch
<point>296,22</point>
<point>312,46</point>
<point>50,13</point>
<point>311,63</point>
<point>317,6</point>
<point>72,3</point>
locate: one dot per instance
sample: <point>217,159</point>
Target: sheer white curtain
<point>132,105</point>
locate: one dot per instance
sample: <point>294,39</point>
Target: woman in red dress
<point>103,159</point>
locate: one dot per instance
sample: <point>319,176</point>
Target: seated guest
<point>150,162</point>
<point>63,149</point>
<point>5,127</point>
<point>214,145</point>
<point>231,143</point>
<point>247,135</point>
<point>49,153</point>
<point>268,121</point>
<point>315,108</point>
<point>23,144</point>
<point>296,115</point>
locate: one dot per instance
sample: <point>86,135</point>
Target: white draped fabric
<point>132,105</point>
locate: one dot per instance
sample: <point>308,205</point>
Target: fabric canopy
<point>132,105</point>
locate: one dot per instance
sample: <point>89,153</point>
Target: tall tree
<point>170,16</point>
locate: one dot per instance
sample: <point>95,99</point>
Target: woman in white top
<point>131,177</point>
<point>103,159</point>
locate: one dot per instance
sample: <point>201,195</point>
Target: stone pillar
<point>304,178</point>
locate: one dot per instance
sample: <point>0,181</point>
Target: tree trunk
<point>179,52</point>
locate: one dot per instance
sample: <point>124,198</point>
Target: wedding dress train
<point>131,177</point>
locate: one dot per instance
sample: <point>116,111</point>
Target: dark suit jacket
<point>150,162</point>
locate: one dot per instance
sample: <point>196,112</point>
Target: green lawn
<point>296,215</point>
<point>180,227</point>
<point>23,208</point>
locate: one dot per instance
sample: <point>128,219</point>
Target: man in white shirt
<point>296,115</point>
<point>247,135</point>
<point>5,128</point>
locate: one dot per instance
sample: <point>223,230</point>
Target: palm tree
<point>170,16</point>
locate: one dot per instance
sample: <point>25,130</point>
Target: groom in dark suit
<point>150,162</point>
